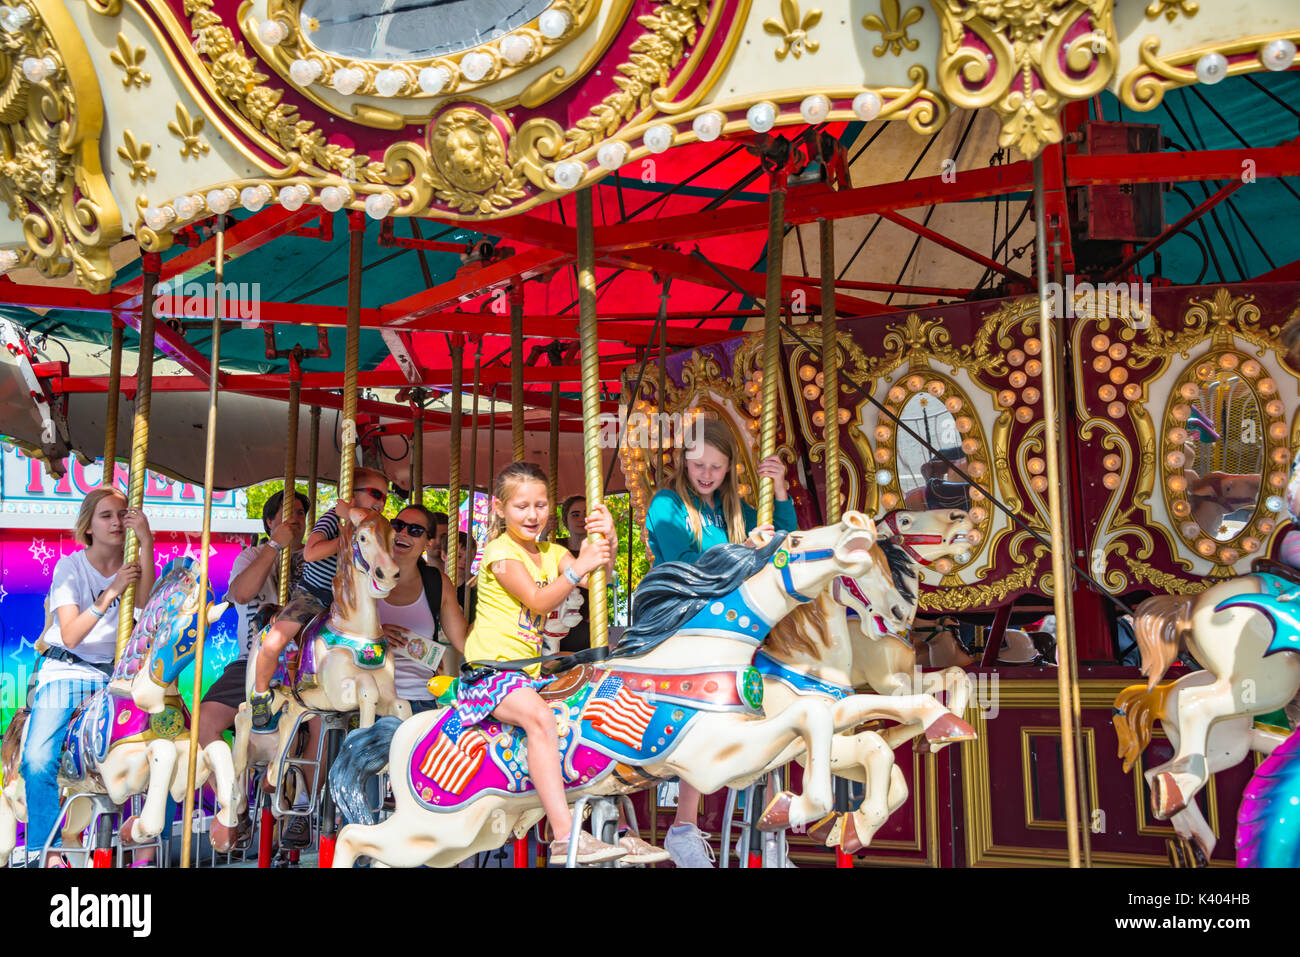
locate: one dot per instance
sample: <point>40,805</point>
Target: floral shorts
<point>304,605</point>
<point>476,701</point>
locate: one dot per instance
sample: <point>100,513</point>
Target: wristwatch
<point>572,576</point>
<point>274,544</point>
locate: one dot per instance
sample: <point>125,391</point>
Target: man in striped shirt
<point>315,592</point>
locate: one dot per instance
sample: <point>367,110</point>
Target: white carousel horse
<point>678,698</point>
<point>1231,740</point>
<point>1235,630</point>
<point>132,736</point>
<point>345,665</point>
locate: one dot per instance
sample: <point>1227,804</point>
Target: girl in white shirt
<point>81,640</point>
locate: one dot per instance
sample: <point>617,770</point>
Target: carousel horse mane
<point>1161,627</point>
<point>345,592</point>
<point>673,593</point>
<point>900,567</point>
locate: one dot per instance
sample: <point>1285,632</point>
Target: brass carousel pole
<point>457,347</point>
<point>313,465</point>
<point>661,395</point>
<point>110,412</point>
<point>417,449</point>
<point>473,468</point>
<point>516,371</point>
<point>351,362</point>
<point>553,478</point>
<point>590,345</point>
<point>1061,547</point>
<point>201,623</point>
<point>771,338</point>
<point>830,374</point>
<point>290,477</point>
<point>139,444</point>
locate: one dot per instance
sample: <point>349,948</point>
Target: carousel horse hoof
<point>1184,853</point>
<point>948,729</point>
<point>821,831</point>
<point>126,831</point>
<point>776,816</point>
<point>222,836</point>
<point>1166,797</point>
<point>850,843</point>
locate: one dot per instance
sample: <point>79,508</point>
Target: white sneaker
<point>688,846</point>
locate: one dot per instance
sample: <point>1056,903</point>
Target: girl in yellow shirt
<point>521,581</point>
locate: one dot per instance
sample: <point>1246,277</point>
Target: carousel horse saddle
<point>607,721</point>
<point>106,719</point>
<point>1269,566</point>
<point>1274,602</point>
<point>299,666</point>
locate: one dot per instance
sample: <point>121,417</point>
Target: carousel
<point>1005,285</point>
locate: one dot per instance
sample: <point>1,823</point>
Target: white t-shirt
<point>268,593</point>
<point>76,582</point>
<point>416,653</point>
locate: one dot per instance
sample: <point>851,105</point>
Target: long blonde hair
<point>81,529</point>
<point>713,432</point>
<point>508,479</point>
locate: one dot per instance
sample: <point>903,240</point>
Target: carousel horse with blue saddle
<point>132,737</point>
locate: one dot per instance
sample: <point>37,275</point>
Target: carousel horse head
<point>164,640</point>
<point>884,599</point>
<point>673,593</point>
<point>927,536</point>
<point>366,567</point>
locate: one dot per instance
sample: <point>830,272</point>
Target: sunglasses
<point>411,528</point>
<point>377,494</point>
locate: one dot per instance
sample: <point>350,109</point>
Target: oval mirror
<point>926,480</point>
<point>395,30</point>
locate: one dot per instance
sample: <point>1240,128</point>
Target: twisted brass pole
<point>771,339</point>
<point>553,479</point>
<point>348,442</point>
<point>139,444</point>
<point>516,372</point>
<point>453,479</point>
<point>417,454</point>
<point>660,396</point>
<point>830,374</point>
<point>290,480</point>
<point>209,462</point>
<point>313,466</point>
<point>110,412</point>
<point>473,469</point>
<point>590,345</point>
<point>1061,566</point>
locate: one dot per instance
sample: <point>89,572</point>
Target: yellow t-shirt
<point>505,630</point>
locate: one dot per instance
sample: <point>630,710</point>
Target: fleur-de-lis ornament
<point>893,29</point>
<point>129,59</point>
<point>793,30</point>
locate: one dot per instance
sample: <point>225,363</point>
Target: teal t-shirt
<point>668,527</point>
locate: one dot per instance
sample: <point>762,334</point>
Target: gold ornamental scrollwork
<point>469,169</point>
<point>793,30</point>
<point>188,127</point>
<point>1039,60</point>
<point>50,173</point>
<point>1144,86</point>
<point>1170,9</point>
<point>129,59</point>
<point>984,596</point>
<point>893,28</point>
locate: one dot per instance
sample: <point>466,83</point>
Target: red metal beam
<point>939,239</point>
<point>1056,204</point>
<point>471,285</point>
<point>897,289</point>
<point>1268,161</point>
<point>1288,273</point>
<point>173,345</point>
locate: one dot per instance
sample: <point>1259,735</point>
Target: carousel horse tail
<point>1268,832</point>
<point>1134,713</point>
<point>363,754</point>
<point>1161,626</point>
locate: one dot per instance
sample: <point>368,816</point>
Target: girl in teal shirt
<point>703,509</point>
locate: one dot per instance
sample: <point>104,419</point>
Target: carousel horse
<point>131,737</point>
<point>1230,742</point>
<point>883,658</point>
<point>1267,835</point>
<point>344,664</point>
<point>1245,632</point>
<point>810,653</point>
<point>677,698</point>
<point>943,649</point>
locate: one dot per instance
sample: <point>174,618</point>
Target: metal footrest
<point>771,846</point>
<point>604,823</point>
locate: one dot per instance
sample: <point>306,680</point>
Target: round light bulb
<point>187,207</point>
<point>1274,503</point>
<point>346,80</point>
<point>293,196</point>
<point>761,117</point>
<point>433,79</point>
<point>708,126</point>
<point>158,217</point>
<point>272,32</point>
<point>553,24</point>
<point>612,154</point>
<point>515,48</point>
<point>253,198</point>
<point>389,82</point>
<point>962,558</point>
<point>1211,68</point>
<point>1277,54</point>
<point>475,66</point>
<point>867,105</point>
<point>658,138</point>
<point>334,198</point>
<point>8,260</point>
<point>15,18</point>
<point>883,477</point>
<point>568,174</point>
<point>379,205</point>
<point>305,72</point>
<point>815,108</point>
<point>220,200</point>
<point>38,69</point>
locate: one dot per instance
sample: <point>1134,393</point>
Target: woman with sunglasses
<point>420,617</point>
<point>315,591</point>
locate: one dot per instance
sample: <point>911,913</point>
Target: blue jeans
<point>51,712</point>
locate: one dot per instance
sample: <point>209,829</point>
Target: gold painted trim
<point>1090,749</point>
<point>1144,86</point>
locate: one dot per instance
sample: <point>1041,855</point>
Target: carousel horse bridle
<point>907,539</point>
